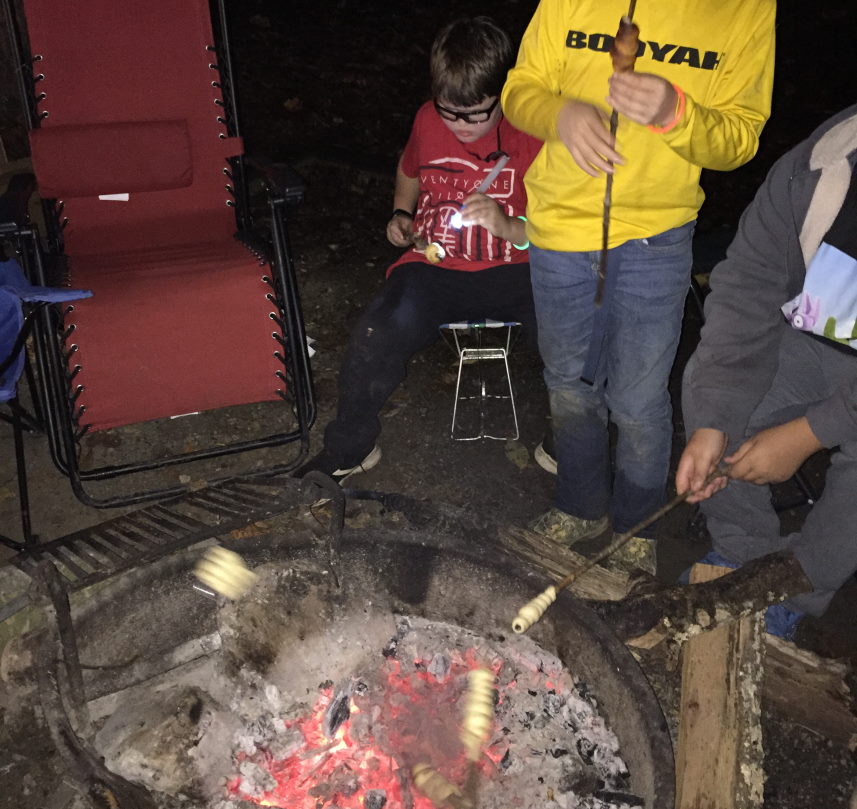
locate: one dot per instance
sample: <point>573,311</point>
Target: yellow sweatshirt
<point>720,52</point>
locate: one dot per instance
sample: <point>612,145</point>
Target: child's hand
<point>400,230</point>
<point>643,97</point>
<point>480,209</point>
<point>775,454</point>
<point>585,131</point>
<point>699,459</point>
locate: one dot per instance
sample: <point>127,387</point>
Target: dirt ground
<point>332,86</point>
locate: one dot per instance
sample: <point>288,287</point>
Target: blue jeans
<point>642,312</point>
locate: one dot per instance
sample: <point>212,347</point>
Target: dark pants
<point>402,319</point>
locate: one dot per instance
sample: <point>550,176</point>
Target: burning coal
<point>357,744</point>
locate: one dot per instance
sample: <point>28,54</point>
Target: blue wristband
<point>526,244</point>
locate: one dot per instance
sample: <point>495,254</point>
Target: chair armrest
<point>283,182</point>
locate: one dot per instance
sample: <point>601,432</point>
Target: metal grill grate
<point>94,554</point>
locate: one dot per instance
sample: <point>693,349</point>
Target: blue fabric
<point>780,620</point>
<point>15,289</point>
<point>647,282</point>
<point>710,558</point>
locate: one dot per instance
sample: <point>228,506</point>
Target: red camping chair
<point>137,153</point>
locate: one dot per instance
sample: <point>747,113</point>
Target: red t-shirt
<point>449,171</point>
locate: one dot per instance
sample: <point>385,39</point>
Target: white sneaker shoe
<point>544,459</point>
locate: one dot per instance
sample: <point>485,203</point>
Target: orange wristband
<point>679,114</point>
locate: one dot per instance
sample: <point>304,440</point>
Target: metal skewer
<point>483,187</point>
<point>493,174</point>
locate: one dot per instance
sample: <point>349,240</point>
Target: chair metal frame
<point>38,251</point>
<point>477,355</point>
<point>21,421</point>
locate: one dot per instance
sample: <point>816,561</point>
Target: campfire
<point>361,741</point>
<point>354,692</point>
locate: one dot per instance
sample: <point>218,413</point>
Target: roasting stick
<point>624,54</point>
<point>533,610</point>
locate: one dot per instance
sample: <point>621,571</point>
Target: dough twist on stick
<point>533,610</point>
<point>224,572</point>
<point>437,789</point>
<point>478,712</point>
<point>431,250</point>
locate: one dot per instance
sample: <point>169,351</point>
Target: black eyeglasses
<point>472,117</point>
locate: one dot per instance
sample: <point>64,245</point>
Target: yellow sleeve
<point>722,132</point>
<point>531,96</point>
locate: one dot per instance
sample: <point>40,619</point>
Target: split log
<point>808,689</point>
<point>811,691</point>
<point>682,611</point>
<point>558,561</point>
<point>719,754</point>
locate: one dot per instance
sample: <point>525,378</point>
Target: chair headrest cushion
<point>84,160</point>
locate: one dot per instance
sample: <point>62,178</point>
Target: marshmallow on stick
<point>625,46</point>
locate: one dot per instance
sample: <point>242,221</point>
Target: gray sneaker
<point>638,553</point>
<point>564,529</point>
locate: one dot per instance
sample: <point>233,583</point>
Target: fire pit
<point>351,697</point>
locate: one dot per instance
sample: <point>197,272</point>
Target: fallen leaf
<point>517,453</point>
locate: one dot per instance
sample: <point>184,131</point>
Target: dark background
<point>342,79</point>
<point>347,77</point>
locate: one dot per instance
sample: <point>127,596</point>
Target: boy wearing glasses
<point>697,97</point>
<point>456,141</point>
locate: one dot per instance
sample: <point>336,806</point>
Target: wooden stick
<point>605,222</point>
<point>532,611</point>
<point>621,64</point>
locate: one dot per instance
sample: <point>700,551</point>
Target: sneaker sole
<point>545,461</point>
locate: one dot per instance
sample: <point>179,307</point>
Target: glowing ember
<point>547,743</point>
<point>418,710</point>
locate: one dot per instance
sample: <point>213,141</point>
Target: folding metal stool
<point>475,355</point>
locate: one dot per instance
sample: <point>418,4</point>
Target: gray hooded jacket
<point>764,267</point>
